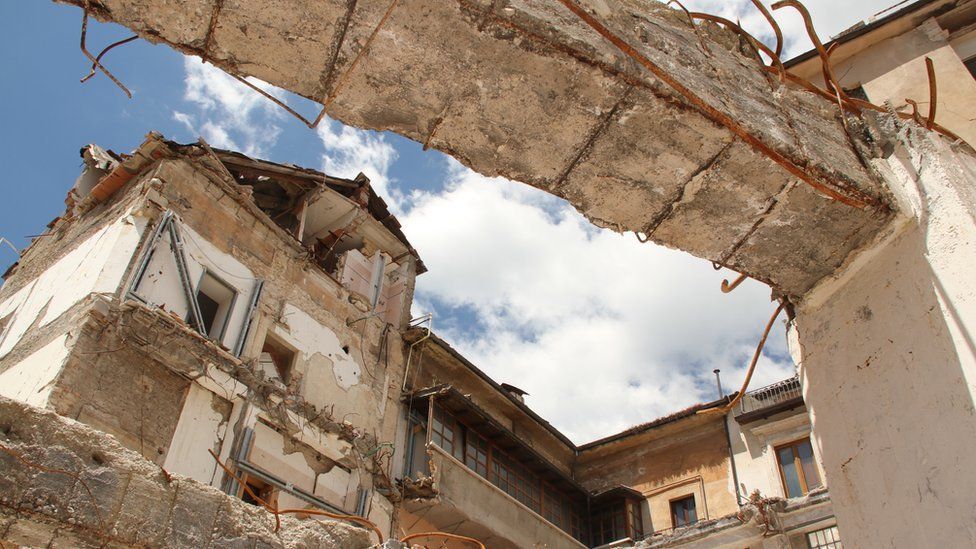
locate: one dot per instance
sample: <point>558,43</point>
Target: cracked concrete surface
<point>115,497</point>
<point>526,90</point>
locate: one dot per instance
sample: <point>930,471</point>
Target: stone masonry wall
<point>64,484</point>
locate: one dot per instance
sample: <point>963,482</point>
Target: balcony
<point>470,505</point>
<point>771,399</point>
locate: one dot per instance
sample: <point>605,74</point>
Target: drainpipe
<point>735,474</point>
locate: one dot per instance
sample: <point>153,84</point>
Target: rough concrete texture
<point>525,89</point>
<point>84,489</point>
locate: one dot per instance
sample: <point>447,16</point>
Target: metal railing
<point>770,395</point>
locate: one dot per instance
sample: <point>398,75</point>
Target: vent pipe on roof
<point>718,381</point>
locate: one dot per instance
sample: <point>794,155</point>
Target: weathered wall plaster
<point>755,457</point>
<point>687,457</point>
<point>202,426</point>
<point>95,265</point>
<point>32,379</point>
<point>889,365</point>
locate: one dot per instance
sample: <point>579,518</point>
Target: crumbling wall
<point>113,386</point>
<point>64,484</point>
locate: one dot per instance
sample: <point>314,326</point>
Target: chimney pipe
<point>718,380</point>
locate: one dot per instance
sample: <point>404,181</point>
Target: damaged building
<point>192,300</point>
<point>207,309</point>
<point>242,331</point>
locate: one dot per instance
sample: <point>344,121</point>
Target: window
<point>476,453</point>
<point>971,65</point>
<point>828,538</point>
<point>260,488</point>
<point>215,299</point>
<point>797,468</point>
<point>276,359</point>
<point>446,433</point>
<point>636,523</point>
<point>609,523</point>
<point>417,463</point>
<point>683,511</point>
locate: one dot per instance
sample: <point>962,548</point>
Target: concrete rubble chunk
<point>114,496</point>
<point>527,90</point>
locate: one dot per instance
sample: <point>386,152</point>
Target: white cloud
<point>231,115</point>
<point>349,151</point>
<point>602,331</point>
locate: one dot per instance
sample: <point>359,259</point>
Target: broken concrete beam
<point>63,483</point>
<point>530,90</point>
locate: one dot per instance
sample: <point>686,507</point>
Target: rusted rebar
<point>915,115</point>
<point>98,58</point>
<point>352,66</point>
<point>274,99</point>
<point>824,58</point>
<point>735,27</point>
<point>726,287</point>
<point>752,366</point>
<point>772,22</point>
<point>933,92</point>
<point>850,196</point>
<point>92,58</point>
<point>445,535</point>
<point>694,27</point>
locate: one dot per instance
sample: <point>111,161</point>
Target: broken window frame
<point>243,465</point>
<point>291,359</point>
<point>228,313</point>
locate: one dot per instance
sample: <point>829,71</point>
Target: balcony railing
<point>769,400</point>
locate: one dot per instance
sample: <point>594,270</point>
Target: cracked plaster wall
<point>888,363</point>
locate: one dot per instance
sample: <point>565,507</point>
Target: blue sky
<point>603,332</point>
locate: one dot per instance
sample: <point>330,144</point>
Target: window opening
<point>683,511</point>
<point>971,65</point>
<point>216,299</point>
<point>797,468</point>
<point>827,538</point>
<point>260,488</point>
<point>277,359</point>
<point>608,523</point>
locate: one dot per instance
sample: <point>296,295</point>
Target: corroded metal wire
<point>851,197</point>
<point>824,58</point>
<point>95,61</point>
<point>933,92</point>
<point>694,27</point>
<point>772,22</point>
<point>98,58</point>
